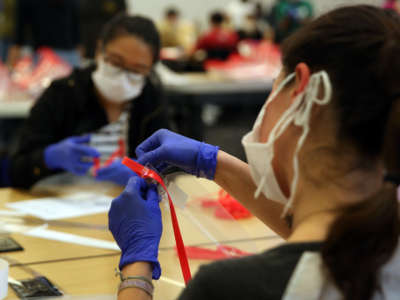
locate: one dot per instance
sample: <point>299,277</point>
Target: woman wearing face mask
<point>318,153</point>
<point>96,111</point>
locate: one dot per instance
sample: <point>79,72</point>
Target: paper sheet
<point>11,213</point>
<point>3,278</point>
<point>75,205</point>
<point>43,232</point>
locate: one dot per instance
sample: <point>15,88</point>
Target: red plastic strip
<point>222,252</point>
<point>96,166</point>
<point>119,153</point>
<point>146,173</point>
<point>226,206</point>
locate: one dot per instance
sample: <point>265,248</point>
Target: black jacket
<point>69,107</point>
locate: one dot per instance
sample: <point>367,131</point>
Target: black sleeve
<point>22,19</point>
<point>260,276</point>
<point>229,279</point>
<point>43,127</point>
<point>76,21</point>
<point>198,287</point>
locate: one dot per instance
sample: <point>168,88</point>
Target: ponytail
<point>364,237</point>
<point>358,46</point>
<point>361,241</point>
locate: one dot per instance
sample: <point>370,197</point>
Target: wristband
<point>138,284</point>
<point>123,278</point>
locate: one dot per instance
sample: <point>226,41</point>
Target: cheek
<point>273,112</point>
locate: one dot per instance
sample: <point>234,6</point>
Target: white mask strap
<point>276,127</point>
<point>302,118</point>
<point>299,113</point>
<point>271,98</point>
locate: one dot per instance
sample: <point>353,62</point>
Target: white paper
<point>43,232</point>
<point>3,279</point>
<point>75,205</point>
<point>11,213</point>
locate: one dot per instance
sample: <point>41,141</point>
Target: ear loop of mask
<point>300,113</point>
<point>272,98</point>
<point>272,135</point>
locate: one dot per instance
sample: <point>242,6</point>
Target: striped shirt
<point>107,140</point>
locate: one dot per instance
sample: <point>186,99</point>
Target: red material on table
<point>227,207</point>
<point>222,252</point>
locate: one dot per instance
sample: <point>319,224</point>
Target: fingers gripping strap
<point>146,173</point>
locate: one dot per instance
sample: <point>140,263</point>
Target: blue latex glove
<point>165,148</point>
<point>135,222</point>
<point>116,172</point>
<point>71,155</point>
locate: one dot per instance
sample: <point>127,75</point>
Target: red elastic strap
<point>119,153</point>
<point>222,252</point>
<point>96,165</point>
<point>147,173</point>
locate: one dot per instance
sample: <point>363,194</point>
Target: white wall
<point>324,5</point>
<point>198,9</point>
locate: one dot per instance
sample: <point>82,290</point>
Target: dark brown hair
<point>359,47</point>
<point>137,26</point>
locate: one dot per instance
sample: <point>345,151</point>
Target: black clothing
<point>94,15</point>
<point>255,35</point>
<point>53,23</point>
<point>264,276</point>
<point>70,107</point>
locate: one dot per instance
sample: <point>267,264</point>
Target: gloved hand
<point>135,222</point>
<point>166,148</point>
<point>71,155</point>
<point>116,172</point>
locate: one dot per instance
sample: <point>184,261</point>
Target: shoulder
<point>67,91</point>
<point>153,82</point>
<point>77,79</point>
<point>263,276</point>
<point>153,92</point>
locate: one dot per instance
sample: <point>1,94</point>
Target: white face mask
<point>260,155</point>
<point>115,84</point>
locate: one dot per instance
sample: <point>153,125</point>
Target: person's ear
<point>303,74</point>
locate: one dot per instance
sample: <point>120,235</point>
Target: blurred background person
<point>238,11</point>
<point>263,21</point>
<point>89,113</point>
<point>7,27</point>
<point>251,29</point>
<point>393,5</point>
<point>289,15</point>
<point>176,32</point>
<point>219,41</point>
<point>93,15</point>
<point>48,23</point>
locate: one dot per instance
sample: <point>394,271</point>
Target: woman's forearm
<point>233,175</point>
